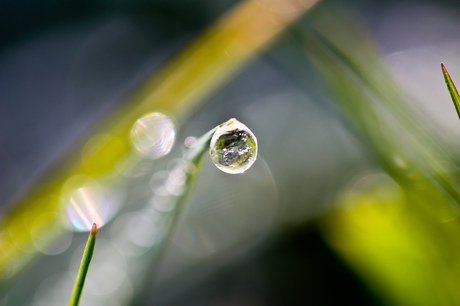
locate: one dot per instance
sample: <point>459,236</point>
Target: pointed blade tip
<point>94,229</point>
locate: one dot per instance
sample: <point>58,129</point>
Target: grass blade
<point>362,96</point>
<point>193,157</point>
<point>84,266</point>
<point>452,90</point>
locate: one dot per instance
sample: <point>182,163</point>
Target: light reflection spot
<point>157,180</point>
<point>177,177</point>
<point>190,141</point>
<point>153,135</point>
<point>87,205</point>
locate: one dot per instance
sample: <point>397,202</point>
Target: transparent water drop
<point>153,135</point>
<point>233,147</point>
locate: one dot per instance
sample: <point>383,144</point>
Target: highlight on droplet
<point>153,135</point>
<point>233,147</point>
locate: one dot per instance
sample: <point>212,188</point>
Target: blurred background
<point>355,194</point>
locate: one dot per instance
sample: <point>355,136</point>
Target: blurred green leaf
<point>387,225</point>
<point>370,99</point>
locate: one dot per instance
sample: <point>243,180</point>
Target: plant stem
<point>194,157</point>
<point>84,266</point>
<point>452,90</point>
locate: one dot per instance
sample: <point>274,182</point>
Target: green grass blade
<point>452,90</point>
<point>193,157</point>
<point>85,261</point>
<point>362,94</point>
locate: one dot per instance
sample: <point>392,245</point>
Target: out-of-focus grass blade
<point>193,158</point>
<point>372,102</point>
<point>84,266</point>
<point>452,89</point>
<point>402,253</point>
<point>176,90</point>
<point>387,226</point>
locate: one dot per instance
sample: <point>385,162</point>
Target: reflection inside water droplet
<point>153,135</point>
<point>233,147</point>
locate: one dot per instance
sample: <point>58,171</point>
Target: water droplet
<point>153,135</point>
<point>233,147</point>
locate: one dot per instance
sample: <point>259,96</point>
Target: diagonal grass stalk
<point>192,159</point>
<point>239,149</point>
<point>397,244</point>
<point>84,266</point>
<point>452,89</point>
<point>191,164</point>
<point>379,116</point>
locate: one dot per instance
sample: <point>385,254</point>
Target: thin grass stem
<point>193,157</point>
<point>452,89</point>
<point>84,266</point>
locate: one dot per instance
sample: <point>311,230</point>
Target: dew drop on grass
<point>233,147</point>
<point>153,135</point>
